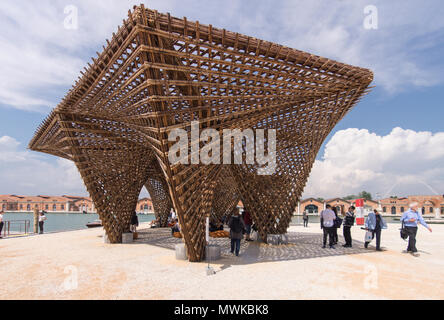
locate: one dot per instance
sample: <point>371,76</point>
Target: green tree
<point>365,195</point>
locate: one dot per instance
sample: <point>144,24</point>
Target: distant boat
<point>94,224</point>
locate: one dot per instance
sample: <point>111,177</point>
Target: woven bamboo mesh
<point>158,73</point>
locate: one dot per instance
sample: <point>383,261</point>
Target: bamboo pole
<point>36,220</point>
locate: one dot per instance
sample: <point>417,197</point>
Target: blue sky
<point>42,60</point>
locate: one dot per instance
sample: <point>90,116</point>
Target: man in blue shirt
<point>411,218</point>
<point>375,223</point>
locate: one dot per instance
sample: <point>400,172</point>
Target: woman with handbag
<point>374,224</point>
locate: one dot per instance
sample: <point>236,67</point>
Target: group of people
<point>241,225</point>
<point>331,222</point>
<point>374,224</point>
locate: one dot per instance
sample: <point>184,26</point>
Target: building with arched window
<point>16,203</point>
<point>398,205</point>
<point>145,205</point>
<point>430,205</point>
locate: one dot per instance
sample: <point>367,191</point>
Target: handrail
<point>23,227</point>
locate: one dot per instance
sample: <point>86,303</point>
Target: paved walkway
<point>301,246</point>
<point>78,265</point>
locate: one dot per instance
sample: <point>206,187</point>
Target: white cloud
<point>31,173</point>
<point>400,163</point>
<point>41,59</point>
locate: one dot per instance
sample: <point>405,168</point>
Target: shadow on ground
<point>301,246</point>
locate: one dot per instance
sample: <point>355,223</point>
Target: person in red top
<point>248,222</point>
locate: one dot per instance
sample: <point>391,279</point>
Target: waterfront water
<point>76,221</point>
<point>61,221</point>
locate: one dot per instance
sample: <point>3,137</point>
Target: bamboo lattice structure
<point>158,73</point>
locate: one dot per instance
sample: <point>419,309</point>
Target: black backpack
<point>236,225</point>
<point>337,222</point>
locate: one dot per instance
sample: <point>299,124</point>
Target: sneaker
<point>323,247</point>
<point>332,247</point>
<point>379,249</point>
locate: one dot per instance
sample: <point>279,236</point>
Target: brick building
<point>396,206</point>
<point>430,205</point>
<point>145,205</point>
<point>65,203</point>
<point>311,205</point>
<point>19,203</point>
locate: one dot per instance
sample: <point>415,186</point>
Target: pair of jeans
<point>306,222</point>
<point>235,245</point>
<point>377,233</point>
<point>41,226</point>
<point>1,228</point>
<point>411,231</point>
<point>347,235</point>
<point>330,232</point>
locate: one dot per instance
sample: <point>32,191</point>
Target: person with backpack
<point>237,229</point>
<point>349,221</point>
<point>375,223</point>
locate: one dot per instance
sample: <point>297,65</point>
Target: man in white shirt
<point>327,224</point>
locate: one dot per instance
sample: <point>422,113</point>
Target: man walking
<point>327,225</point>
<point>411,218</point>
<point>349,221</point>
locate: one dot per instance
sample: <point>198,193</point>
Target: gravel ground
<point>78,265</point>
